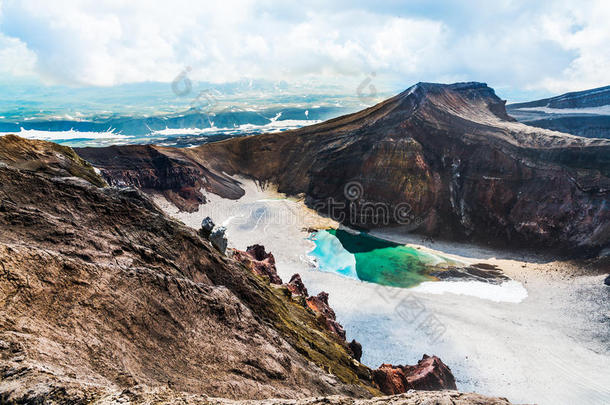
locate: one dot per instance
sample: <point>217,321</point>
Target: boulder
<point>607,280</point>
<point>356,349</point>
<point>219,239</point>
<point>391,379</point>
<point>206,227</point>
<point>430,374</point>
<point>296,286</point>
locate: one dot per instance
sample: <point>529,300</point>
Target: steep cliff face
<point>100,292</point>
<point>166,170</point>
<point>443,160</point>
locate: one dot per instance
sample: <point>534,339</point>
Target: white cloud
<point>585,31</point>
<point>108,43</point>
<point>16,59</point>
<point>548,46</point>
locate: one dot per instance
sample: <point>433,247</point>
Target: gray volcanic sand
<point>550,346</point>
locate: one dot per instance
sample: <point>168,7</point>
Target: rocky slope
<point>100,291</point>
<point>105,299</point>
<point>583,113</point>
<point>597,97</point>
<point>46,158</point>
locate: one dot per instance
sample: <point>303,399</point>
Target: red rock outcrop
<point>259,261</point>
<point>430,373</point>
<point>296,286</point>
<point>319,304</point>
<point>262,263</point>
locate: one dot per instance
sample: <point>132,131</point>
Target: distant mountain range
<point>583,113</point>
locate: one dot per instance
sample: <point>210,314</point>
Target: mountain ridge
<point>595,97</point>
<point>422,142</point>
<point>583,113</point>
<point>464,167</point>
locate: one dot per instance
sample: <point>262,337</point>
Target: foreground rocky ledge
<point>142,394</point>
<point>409,398</point>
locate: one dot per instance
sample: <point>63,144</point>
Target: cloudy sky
<point>524,49</point>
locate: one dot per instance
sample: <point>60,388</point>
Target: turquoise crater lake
<point>364,257</point>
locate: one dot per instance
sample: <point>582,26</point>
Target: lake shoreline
<point>530,351</point>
